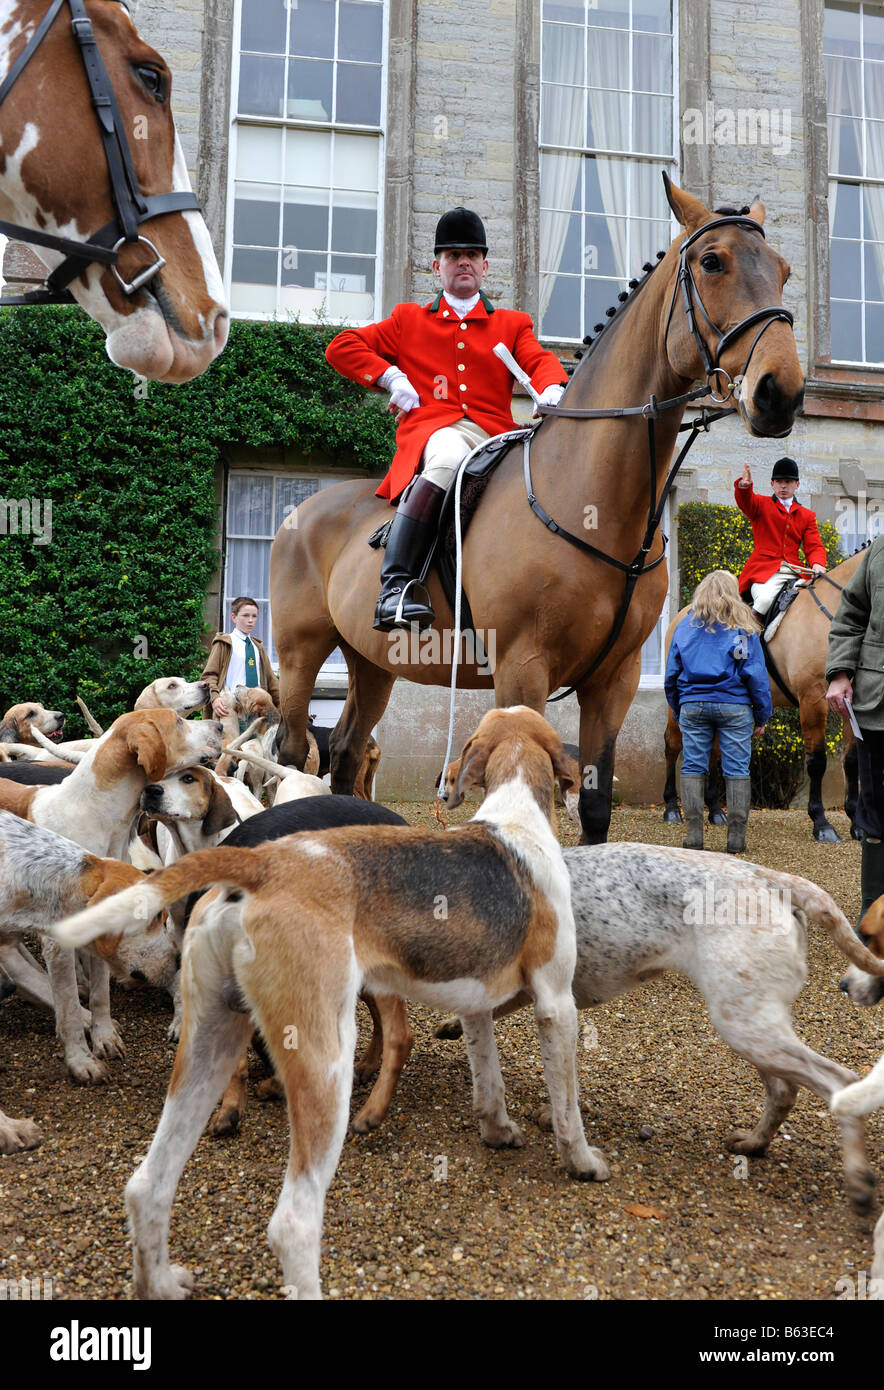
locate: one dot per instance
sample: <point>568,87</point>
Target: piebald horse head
<point>54,177</point>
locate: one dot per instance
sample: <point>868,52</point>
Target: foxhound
<point>466,920</point>
<point>95,807</point>
<point>44,877</point>
<point>20,721</point>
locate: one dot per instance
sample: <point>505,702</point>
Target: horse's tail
<point>820,909</point>
<point>130,911</point>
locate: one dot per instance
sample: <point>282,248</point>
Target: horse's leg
<point>851,779</point>
<point>299,664</point>
<point>672,747</point>
<point>713,801</point>
<point>367,697</point>
<point>602,712</point>
<point>813,714</point>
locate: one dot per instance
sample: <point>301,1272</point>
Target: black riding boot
<point>410,538</point>
<point>872,873</point>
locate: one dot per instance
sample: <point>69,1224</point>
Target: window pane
<point>598,295</point>
<point>561,247</point>
<point>263,25</point>
<point>359,32</point>
<point>874,333</point>
<point>873,33</point>
<point>845,144</point>
<point>305,268</point>
<point>258,154</point>
<point>255,267</point>
<point>873,213</point>
<point>603,238</point>
<point>305,218</point>
<point>651,64</point>
<point>608,59</point>
<point>874,263</point>
<point>359,94</point>
<point>308,157</point>
<point>563,54</point>
<point>356,162</point>
<point>561,118</point>
<point>846,331</point>
<point>873,75</point>
<point>875,149</point>
<point>607,121</point>
<point>249,506</point>
<point>841,29</point>
<point>844,269</point>
<point>354,222</point>
<point>256,215</point>
<point>353,273</point>
<point>290,493</point>
<point>571,11</point>
<point>562,317</point>
<point>645,241</point>
<point>248,569</point>
<point>655,15</point>
<point>313,29</point>
<point>843,90</point>
<point>260,86</point>
<point>609,14</point>
<point>646,195</point>
<point>560,181</point>
<point>652,124</point>
<point>844,209</point>
<point>310,90</point>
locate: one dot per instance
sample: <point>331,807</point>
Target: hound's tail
<point>131,910</point>
<point>861,1097</point>
<point>819,908</point>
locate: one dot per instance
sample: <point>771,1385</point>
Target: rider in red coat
<point>779,526</point>
<point>449,393</point>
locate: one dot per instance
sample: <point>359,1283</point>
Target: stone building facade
<point>459,122</point>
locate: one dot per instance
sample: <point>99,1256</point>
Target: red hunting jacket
<point>777,535</point>
<point>449,362</point>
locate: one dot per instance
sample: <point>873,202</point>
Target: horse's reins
<point>651,412</point>
<point>131,207</point>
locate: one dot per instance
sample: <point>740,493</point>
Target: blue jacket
<point>726,665</point>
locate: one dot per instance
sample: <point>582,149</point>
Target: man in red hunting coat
<point>779,526</point>
<point>448,392</point>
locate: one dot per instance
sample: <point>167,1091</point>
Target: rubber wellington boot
<point>693,792</point>
<point>409,541</point>
<point>872,873</point>
<point>738,793</point>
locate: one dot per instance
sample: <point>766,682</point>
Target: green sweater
<point>856,640</point>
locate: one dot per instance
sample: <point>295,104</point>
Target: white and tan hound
<point>463,920</point>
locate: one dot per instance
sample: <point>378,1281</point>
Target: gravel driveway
<point>420,1209</point>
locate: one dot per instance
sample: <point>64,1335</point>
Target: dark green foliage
<point>131,482</point>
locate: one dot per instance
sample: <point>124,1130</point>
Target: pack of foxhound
<point>146,852</point>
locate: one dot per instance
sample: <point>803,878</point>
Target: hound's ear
<point>146,741</point>
<point>470,771</point>
<point>689,211</point>
<point>106,945</point>
<point>220,813</point>
<point>567,772</point>
<point>147,699</point>
<point>8,732</point>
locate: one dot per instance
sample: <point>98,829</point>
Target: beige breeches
<point>448,447</point>
<point>764,594</point>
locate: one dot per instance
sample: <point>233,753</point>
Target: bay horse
<point>105,199</point>
<point>798,648</point>
<point>551,607</point>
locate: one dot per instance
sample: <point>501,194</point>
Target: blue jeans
<point>699,722</point>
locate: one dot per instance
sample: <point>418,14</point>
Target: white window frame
<point>284,122</point>
<point>672,159</point>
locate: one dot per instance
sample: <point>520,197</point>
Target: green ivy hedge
<point>130,478</point>
<point>712,537</point>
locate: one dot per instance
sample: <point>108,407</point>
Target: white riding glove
<point>402,394</point>
<point>551,395</point>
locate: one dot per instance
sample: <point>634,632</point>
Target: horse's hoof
<point>826,834</point>
<point>672,816</point>
<point>717,817</point>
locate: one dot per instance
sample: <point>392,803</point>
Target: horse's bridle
<point>132,208</point>
<point>650,411</point>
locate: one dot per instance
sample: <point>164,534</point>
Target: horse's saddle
<point>477,471</point>
<point>784,598</point>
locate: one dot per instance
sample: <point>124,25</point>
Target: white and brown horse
<point>553,607</point>
<point>56,179</point>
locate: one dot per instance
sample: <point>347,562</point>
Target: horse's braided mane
<point>635,285</point>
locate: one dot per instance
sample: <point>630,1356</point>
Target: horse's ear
<point>757,211</point>
<point>689,211</point>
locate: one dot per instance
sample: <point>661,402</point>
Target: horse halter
<point>772,314</point>
<point>131,207</point>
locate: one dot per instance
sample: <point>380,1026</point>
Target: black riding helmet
<point>784,470</point>
<point>460,229</point>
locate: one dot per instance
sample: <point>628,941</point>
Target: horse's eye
<point>711,263</point>
<point>153,81</point>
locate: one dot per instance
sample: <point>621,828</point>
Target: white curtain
<point>563,124</point>
<point>606,110</point>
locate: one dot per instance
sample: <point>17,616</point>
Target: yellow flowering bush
<point>715,537</point>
